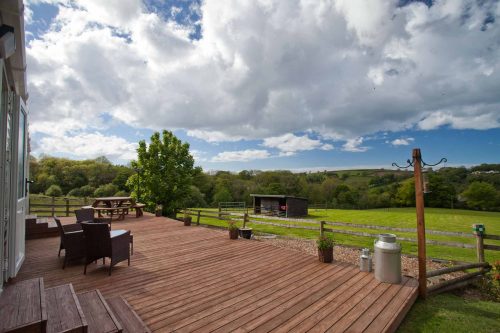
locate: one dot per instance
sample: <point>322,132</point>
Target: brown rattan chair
<point>87,215</point>
<point>100,242</point>
<point>71,241</point>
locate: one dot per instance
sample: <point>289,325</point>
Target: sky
<point>301,85</point>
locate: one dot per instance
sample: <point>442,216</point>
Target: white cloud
<point>241,155</point>
<point>464,118</point>
<point>88,145</point>
<point>263,69</point>
<point>402,141</point>
<point>213,136</point>
<point>289,144</point>
<point>198,155</point>
<point>354,145</point>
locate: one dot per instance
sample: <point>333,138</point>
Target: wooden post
<point>67,206</point>
<point>53,206</point>
<point>479,231</point>
<point>198,218</point>
<point>245,220</point>
<point>321,228</point>
<point>220,210</point>
<point>419,203</point>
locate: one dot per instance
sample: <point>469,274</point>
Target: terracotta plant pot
<point>246,233</point>
<point>233,233</point>
<point>325,255</point>
<point>187,221</point>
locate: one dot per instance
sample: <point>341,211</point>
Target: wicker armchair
<point>71,241</point>
<point>87,215</point>
<point>100,242</point>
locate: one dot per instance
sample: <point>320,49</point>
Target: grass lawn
<point>449,313</point>
<point>436,219</point>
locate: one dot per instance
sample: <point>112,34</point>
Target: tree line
<point>164,173</point>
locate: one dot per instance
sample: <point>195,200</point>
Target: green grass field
<point>449,313</point>
<point>436,219</point>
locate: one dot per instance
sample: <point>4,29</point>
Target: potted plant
<point>186,219</point>
<point>233,230</point>
<point>159,210</point>
<point>325,248</point>
<point>245,232</point>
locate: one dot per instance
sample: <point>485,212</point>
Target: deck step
<point>22,307</point>
<point>128,318</point>
<point>64,313</point>
<point>99,316</point>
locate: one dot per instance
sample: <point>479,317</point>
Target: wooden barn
<point>279,205</point>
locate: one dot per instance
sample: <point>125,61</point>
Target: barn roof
<point>280,196</point>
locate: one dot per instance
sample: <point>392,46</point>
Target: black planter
<point>246,233</point>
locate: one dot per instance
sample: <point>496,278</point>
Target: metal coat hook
<point>423,164</point>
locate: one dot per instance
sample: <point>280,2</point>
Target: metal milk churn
<point>365,261</point>
<point>387,259</point>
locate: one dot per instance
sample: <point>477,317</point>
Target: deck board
<point>194,279</point>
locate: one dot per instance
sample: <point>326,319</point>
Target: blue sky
<point>267,84</point>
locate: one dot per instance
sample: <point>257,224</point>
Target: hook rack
<point>423,164</point>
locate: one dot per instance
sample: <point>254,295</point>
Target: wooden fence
<point>53,206</point>
<point>317,225</point>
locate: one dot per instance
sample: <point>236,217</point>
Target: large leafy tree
<point>480,195</point>
<point>165,171</point>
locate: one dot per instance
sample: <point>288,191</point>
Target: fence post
<point>321,228</point>
<point>479,231</point>
<point>67,206</point>
<point>220,210</point>
<point>53,206</point>
<point>198,218</point>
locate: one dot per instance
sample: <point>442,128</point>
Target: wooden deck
<point>187,279</point>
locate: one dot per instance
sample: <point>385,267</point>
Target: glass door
<point>21,166</point>
<point>6,128</point>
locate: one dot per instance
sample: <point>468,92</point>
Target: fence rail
<point>320,226</point>
<point>52,206</point>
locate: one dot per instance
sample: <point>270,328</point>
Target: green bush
<point>325,242</point>
<point>106,190</point>
<point>76,192</point>
<point>87,191</point>
<point>121,194</point>
<point>54,191</point>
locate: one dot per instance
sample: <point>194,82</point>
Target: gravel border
<point>409,264</point>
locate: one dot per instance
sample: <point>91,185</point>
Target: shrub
<point>325,242</point>
<point>54,191</point>
<point>105,190</point>
<point>121,194</point>
<point>490,284</point>
<point>87,191</point>
<point>231,225</point>
<point>76,192</point>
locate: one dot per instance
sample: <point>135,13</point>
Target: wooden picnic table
<point>117,206</point>
<point>112,202</point>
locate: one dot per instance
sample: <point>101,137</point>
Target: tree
<point>222,195</point>
<point>106,190</point>
<point>166,171</point>
<point>480,195</point>
<point>121,178</point>
<point>54,191</point>
<point>405,195</point>
<point>87,191</point>
<point>195,198</point>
